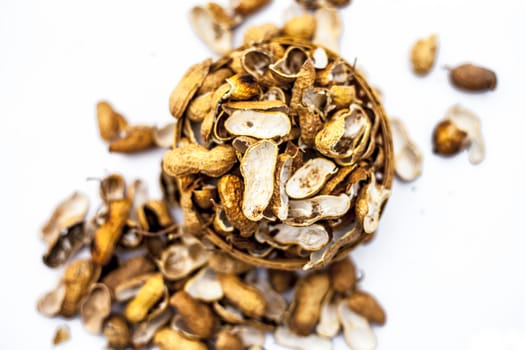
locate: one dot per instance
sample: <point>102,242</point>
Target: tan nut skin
<point>78,277</point>
<point>148,295</point>
<point>168,339</point>
<point>343,275</point>
<point>309,295</point>
<point>107,235</point>
<point>245,297</point>
<point>196,315</point>
<point>367,306</point>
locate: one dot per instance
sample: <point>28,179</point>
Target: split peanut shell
<point>95,308</point>
<point>110,122</point>
<point>246,297</point>
<point>460,129</point>
<point>356,330</point>
<point>169,339</point>
<point>188,85</point>
<point>116,330</point>
<point>78,277</point>
<point>196,315</point>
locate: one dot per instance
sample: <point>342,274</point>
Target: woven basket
<point>384,173</point>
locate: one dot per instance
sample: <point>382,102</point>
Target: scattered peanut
<point>78,277</point>
<point>108,234</point>
<point>168,339</point>
<point>197,316</point>
<point>147,296</point>
<point>343,275</point>
<point>244,296</point>
<point>306,308</point>
<point>423,54</point>
<point>473,78</point>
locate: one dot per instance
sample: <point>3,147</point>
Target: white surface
<point>448,262</point>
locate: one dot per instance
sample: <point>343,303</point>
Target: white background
<point>448,263</point>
